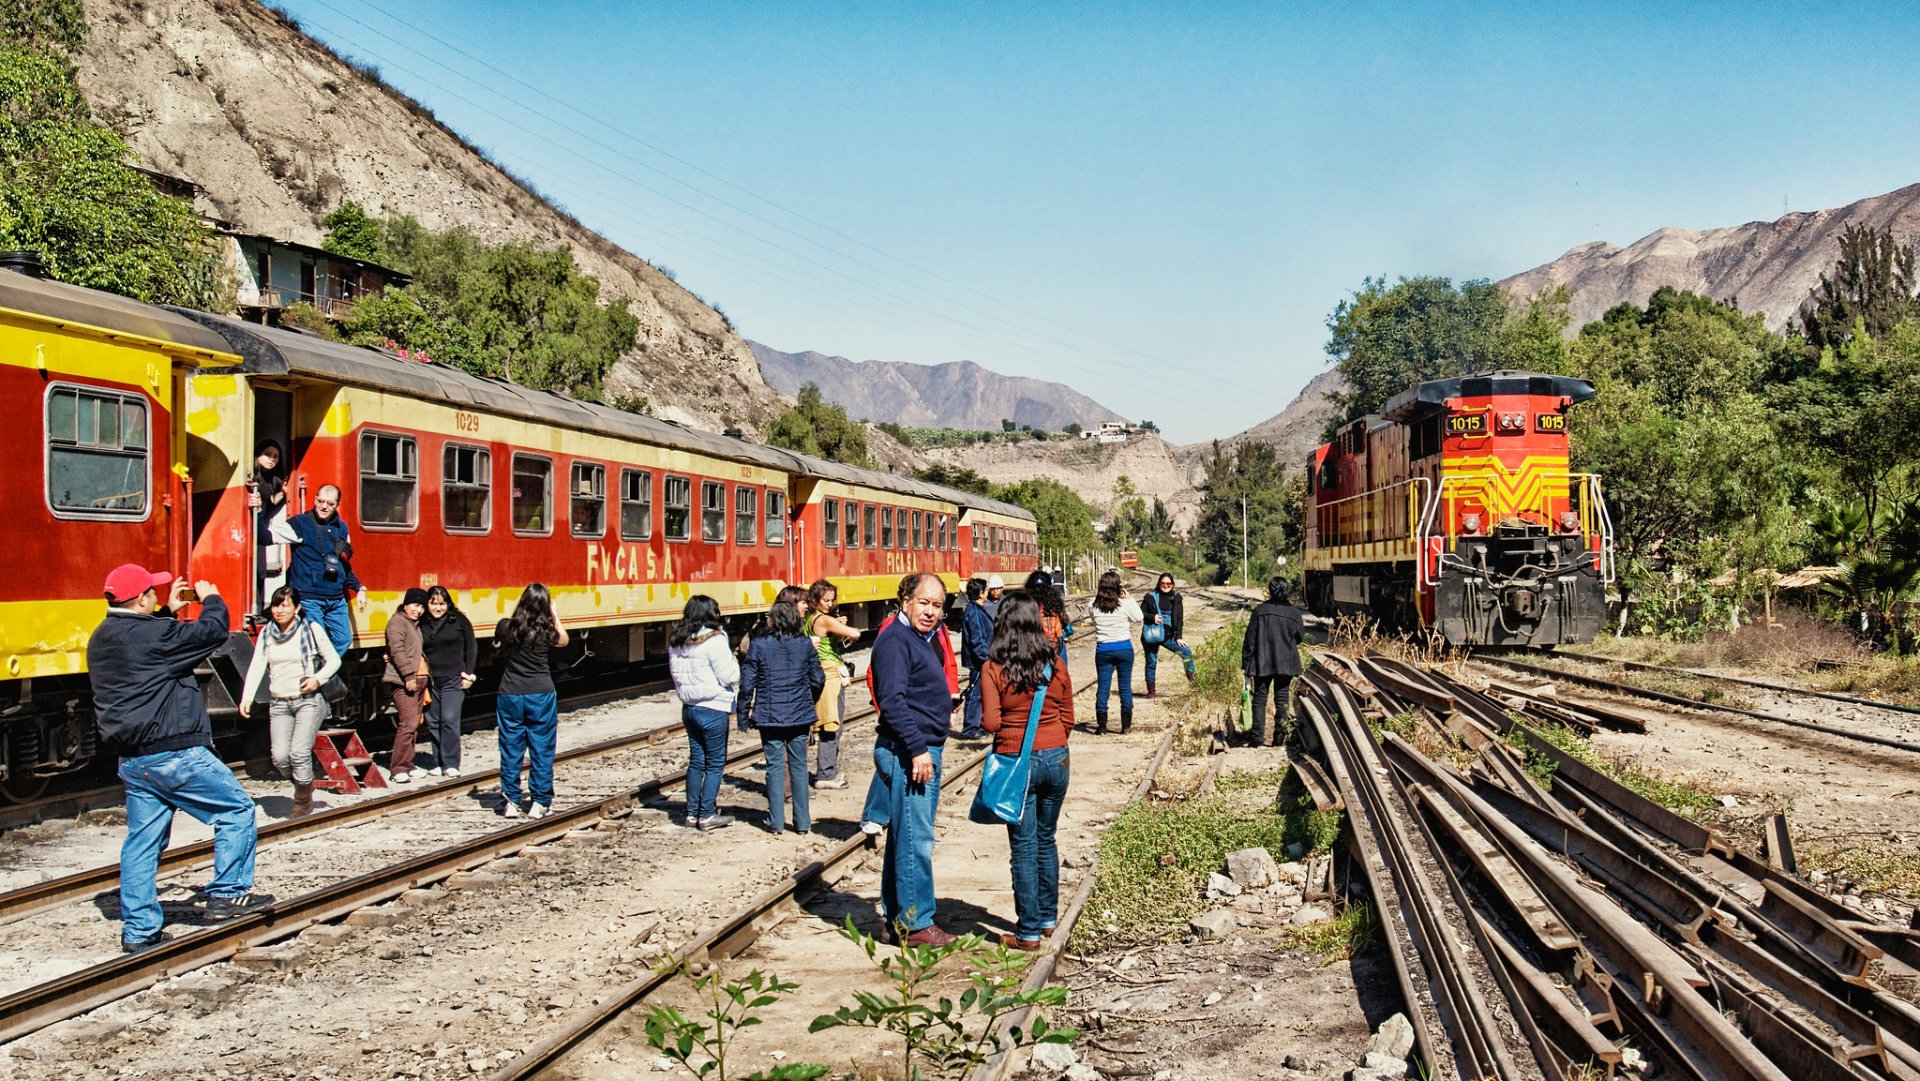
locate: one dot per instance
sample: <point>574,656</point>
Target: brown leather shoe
<point>1015,942</point>
<point>930,935</point>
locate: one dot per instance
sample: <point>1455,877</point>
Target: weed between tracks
<point>1353,931</point>
<point>1680,796</point>
<point>1876,868</point>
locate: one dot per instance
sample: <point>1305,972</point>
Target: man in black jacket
<point>151,713</point>
<point>1270,656</point>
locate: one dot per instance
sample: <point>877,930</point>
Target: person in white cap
<point>995,586</point>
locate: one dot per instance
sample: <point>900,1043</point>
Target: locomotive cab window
<point>678,498</point>
<point>466,489</point>
<point>389,480</point>
<point>746,515</point>
<point>589,503</point>
<point>636,504</point>
<point>777,517</point>
<point>830,523</point>
<point>97,454</point>
<point>713,512</point>
<point>532,495</point>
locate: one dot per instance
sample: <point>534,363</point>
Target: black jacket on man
<point>1272,646</point>
<point>1171,610</point>
<point>145,697</point>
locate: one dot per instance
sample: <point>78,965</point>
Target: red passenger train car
<point>446,478</point>
<point>1455,510</point>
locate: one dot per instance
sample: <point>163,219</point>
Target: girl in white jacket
<point>291,662</point>
<point>705,674</point>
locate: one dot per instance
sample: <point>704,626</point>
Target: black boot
<point>1099,724</point>
<point>1257,737</point>
<point>1126,721</point>
<point>1150,691</point>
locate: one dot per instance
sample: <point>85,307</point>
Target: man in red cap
<point>151,713</point>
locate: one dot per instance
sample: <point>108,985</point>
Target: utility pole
<point>1243,543</point>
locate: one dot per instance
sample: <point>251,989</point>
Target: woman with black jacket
<point>1164,607</point>
<point>779,681</point>
<point>446,636</point>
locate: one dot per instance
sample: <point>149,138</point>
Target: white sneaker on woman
<point>452,771</point>
<point>538,810</point>
<point>511,810</point>
<point>403,777</point>
<point>871,829</point>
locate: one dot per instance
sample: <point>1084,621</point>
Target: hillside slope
<point>1768,266</point>
<point>278,131</point>
<point>1087,467</point>
<point>959,395</point>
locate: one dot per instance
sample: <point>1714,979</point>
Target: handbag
<point>1002,795</point>
<point>1246,706</point>
<point>1155,633</point>
<point>334,690</point>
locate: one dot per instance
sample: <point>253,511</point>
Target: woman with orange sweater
<point>1021,660</point>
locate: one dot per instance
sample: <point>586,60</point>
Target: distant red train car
<point>1455,509</point>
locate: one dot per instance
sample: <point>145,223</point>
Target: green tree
<point>56,27</point>
<point>1073,429</point>
<point>1250,471</point>
<point>354,233</point>
<point>67,192</point>
<point>1006,425</point>
<point>1063,521</point>
<point>955,476</point>
<point>1872,288</point>
<point>1386,338</point>
<point>1858,412</point>
<point>816,427</point>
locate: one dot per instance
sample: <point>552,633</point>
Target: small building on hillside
<point>1111,431</point>
<point>272,274</point>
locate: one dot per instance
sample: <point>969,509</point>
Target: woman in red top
<point>1016,665</point>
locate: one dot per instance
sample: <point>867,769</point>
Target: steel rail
<point>1642,666</point>
<point>1691,703</point>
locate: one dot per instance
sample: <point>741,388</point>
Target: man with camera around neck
<point>321,566</point>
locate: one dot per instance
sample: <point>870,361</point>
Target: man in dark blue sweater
<point>321,565</point>
<point>910,685</point>
<point>147,702</point>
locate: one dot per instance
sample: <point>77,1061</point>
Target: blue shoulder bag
<point>1001,798</point>
<point>1154,634</point>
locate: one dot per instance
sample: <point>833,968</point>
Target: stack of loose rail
<point>1543,932</point>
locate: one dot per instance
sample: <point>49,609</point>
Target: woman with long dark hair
<point>446,635</point>
<point>778,685</point>
<point>1163,605</point>
<point>1114,616</point>
<point>1053,610</point>
<point>527,708</point>
<point>704,675</point>
<point>291,662</point>
<point>1021,660</point>
<point>828,632</point>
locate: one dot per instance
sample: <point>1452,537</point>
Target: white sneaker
<point>538,810</point>
<point>452,772</point>
<point>511,810</point>
<point>402,777</point>
<point>871,829</point>
<point>431,771</point>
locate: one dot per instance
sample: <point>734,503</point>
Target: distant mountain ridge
<point>955,395</point>
<point>1768,266</point>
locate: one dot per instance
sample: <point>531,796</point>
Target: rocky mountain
<point>1089,468</point>
<point>1768,266</point>
<point>277,130</point>
<point>959,395</point>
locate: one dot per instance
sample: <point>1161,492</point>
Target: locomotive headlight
<point>1470,524</point>
<point>1513,422</point>
<point>1569,522</point>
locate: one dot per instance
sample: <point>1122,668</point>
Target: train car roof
<point>79,305</point>
<point>975,501</point>
<point>1429,397</point>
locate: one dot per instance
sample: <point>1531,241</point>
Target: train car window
<point>777,517</point>
<point>636,504</point>
<point>916,530</point>
<point>589,505</point>
<point>886,527</point>
<point>532,494</point>
<point>746,515</point>
<point>870,532</point>
<point>97,454</point>
<point>678,498</point>
<point>830,523</point>
<point>466,489</point>
<point>853,524</point>
<point>713,512</point>
<point>389,480</point>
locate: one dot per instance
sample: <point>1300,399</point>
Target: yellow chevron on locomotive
<point>1501,488</point>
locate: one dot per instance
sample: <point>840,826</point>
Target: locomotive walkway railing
<point>1582,491</point>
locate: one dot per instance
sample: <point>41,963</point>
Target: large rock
<point>1053,1059</point>
<point>1309,914</point>
<point>1219,885</point>
<point>1394,1037</point>
<point>1252,868</point>
<point>1378,1067</point>
<point>1214,924</point>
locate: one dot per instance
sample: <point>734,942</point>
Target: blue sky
<point>1158,204</point>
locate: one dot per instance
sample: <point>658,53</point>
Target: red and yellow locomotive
<point>1454,509</point>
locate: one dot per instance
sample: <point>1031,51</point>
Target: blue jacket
<point>314,569</point>
<point>910,682</point>
<point>779,681</point>
<point>977,629</point>
<point>146,698</point>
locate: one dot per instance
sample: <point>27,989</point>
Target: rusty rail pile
<point>1570,931</point>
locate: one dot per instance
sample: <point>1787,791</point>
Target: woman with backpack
<point>527,707</point>
<point>705,674</point>
<point>446,636</point>
<point>293,659</point>
<point>778,685</point>
<point>1114,615</point>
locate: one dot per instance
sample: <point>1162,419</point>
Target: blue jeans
<point>906,876</point>
<point>970,720</point>
<point>1153,656</point>
<point>706,759</point>
<point>197,782</point>
<point>529,727</point>
<point>442,722</point>
<point>1035,857</point>
<point>1111,659</point>
<point>331,614</point>
<point>879,800</point>
<point>786,750</point>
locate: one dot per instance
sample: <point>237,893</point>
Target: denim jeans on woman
<point>193,780</point>
<point>442,722</point>
<point>1035,858</point>
<point>906,877</point>
<point>292,725</point>
<point>1153,657</point>
<point>786,751</point>
<point>1109,660</point>
<point>706,759</point>
<point>529,728</point>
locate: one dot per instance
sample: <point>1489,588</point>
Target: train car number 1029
<point>466,422</point>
